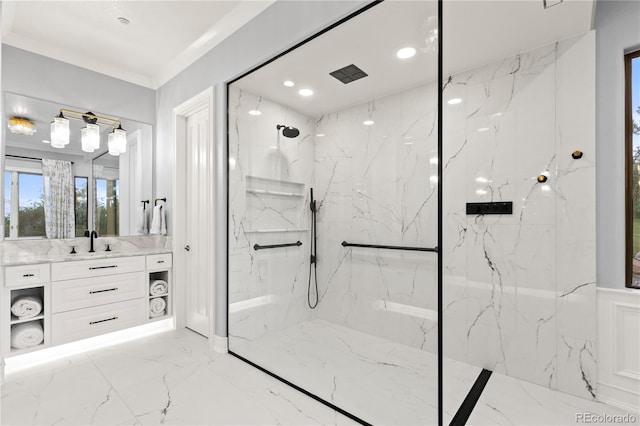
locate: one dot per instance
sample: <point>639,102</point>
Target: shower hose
<point>313,271</point>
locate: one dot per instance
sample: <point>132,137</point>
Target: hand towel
<point>156,222</point>
<point>141,221</point>
<point>26,335</point>
<point>163,222</point>
<point>157,307</point>
<point>158,287</point>
<point>26,307</point>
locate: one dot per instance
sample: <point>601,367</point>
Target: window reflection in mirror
<point>81,205</point>
<point>106,181</point>
<point>24,204</point>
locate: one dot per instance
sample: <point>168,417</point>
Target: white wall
<point>41,77</point>
<point>617,31</point>
<point>279,27</point>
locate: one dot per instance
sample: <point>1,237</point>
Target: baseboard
<point>220,344</point>
<point>619,398</point>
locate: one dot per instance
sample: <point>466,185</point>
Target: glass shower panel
<point>331,311</point>
<point>518,286</point>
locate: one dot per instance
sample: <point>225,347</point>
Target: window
<point>23,205</point>
<point>632,135</point>
<point>81,206</point>
<point>107,207</point>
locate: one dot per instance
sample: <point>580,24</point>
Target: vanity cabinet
<point>30,281</point>
<point>93,297</point>
<point>86,298</point>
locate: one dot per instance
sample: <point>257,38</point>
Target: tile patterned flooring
<point>174,378</point>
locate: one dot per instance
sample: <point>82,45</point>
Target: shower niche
<point>273,205</point>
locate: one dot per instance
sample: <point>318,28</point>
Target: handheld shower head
<point>288,131</point>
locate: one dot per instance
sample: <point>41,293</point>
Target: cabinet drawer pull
<point>108,319</point>
<point>28,275</point>
<point>102,291</point>
<point>91,268</point>
<point>160,261</point>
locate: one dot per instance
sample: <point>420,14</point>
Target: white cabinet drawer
<point>96,267</point>
<point>26,274</point>
<point>157,262</point>
<point>83,323</point>
<point>86,292</point>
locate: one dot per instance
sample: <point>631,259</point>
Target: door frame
<point>203,100</point>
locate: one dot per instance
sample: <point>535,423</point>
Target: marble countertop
<point>24,252</point>
<point>16,259</point>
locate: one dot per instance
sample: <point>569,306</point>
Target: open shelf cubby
<point>20,323</point>
<point>166,296</point>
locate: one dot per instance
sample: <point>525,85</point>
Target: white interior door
<point>197,214</point>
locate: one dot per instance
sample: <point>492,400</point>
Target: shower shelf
<point>268,231</point>
<point>279,193</point>
<point>249,177</point>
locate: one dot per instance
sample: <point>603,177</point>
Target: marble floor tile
<point>510,401</point>
<point>174,378</point>
<point>380,381</point>
<point>169,378</point>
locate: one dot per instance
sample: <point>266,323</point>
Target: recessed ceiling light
<point>123,20</point>
<point>368,122</point>
<point>454,101</point>
<point>289,83</point>
<point>320,135</point>
<point>305,92</point>
<point>406,52</point>
<point>254,112</point>
<point>483,129</point>
<point>45,141</point>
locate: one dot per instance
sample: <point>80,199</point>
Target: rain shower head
<point>288,131</point>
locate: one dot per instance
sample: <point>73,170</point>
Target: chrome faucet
<point>92,235</point>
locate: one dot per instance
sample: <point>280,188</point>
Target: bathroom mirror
<point>108,188</point>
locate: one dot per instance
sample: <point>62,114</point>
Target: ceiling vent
<point>349,74</point>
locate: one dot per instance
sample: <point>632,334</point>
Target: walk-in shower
<point>397,241</point>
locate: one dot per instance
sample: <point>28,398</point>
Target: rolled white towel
<point>27,335</point>
<point>158,287</point>
<point>157,307</point>
<point>25,307</point>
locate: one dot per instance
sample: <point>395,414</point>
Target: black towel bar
<point>431,249</point>
<point>259,247</point>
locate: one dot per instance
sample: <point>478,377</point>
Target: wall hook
<point>155,202</point>
<point>576,155</point>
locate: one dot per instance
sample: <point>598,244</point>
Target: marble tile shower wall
<point>377,184</point>
<point>520,293</point>
<point>269,179</point>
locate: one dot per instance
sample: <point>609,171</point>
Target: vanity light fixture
<point>22,126</point>
<point>117,141</point>
<point>90,134</point>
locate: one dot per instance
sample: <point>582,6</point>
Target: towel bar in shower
<point>259,247</point>
<point>431,249</point>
